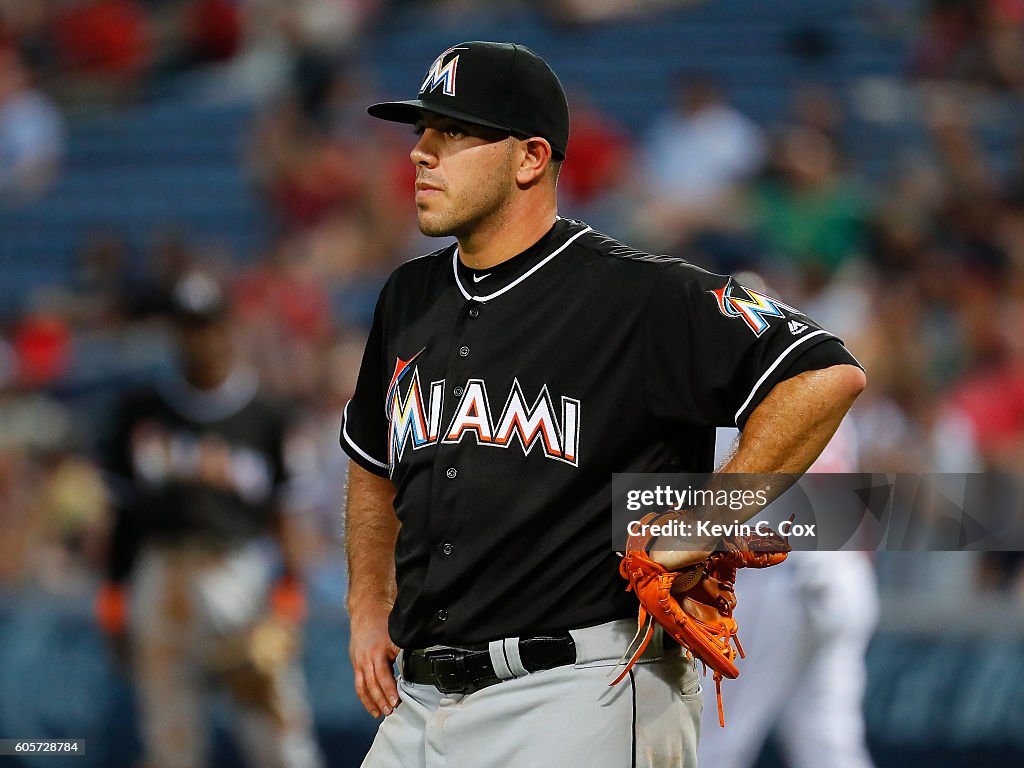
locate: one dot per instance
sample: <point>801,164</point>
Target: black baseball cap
<point>197,298</point>
<point>499,85</point>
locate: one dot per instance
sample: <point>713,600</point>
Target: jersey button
<point>451,473</point>
<point>458,391</point>
<point>464,351</point>
<point>474,312</point>
<point>448,548</point>
<point>442,615</point>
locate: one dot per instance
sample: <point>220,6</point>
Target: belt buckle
<point>448,682</point>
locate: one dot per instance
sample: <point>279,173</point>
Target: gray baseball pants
<point>557,717</point>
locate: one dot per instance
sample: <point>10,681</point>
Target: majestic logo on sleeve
<point>755,309</point>
<point>415,417</point>
<point>441,74</point>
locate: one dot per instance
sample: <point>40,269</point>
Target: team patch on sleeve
<point>750,306</point>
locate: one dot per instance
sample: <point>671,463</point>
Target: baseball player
<point>506,377</point>
<point>806,629</point>
<point>196,585</point>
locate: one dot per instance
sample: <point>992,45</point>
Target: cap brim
<point>411,111</point>
<point>191,318</point>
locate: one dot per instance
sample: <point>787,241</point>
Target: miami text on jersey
<point>754,310</point>
<point>418,421</point>
<point>162,455</point>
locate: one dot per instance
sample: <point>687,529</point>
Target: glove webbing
<point>645,628</point>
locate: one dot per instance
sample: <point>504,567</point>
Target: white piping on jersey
<point>356,448</point>
<point>772,367</point>
<point>208,405</point>
<point>510,286</point>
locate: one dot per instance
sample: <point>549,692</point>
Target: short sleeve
<point>714,349</point>
<point>364,427</point>
<point>825,355</point>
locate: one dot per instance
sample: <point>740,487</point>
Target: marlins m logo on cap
<point>504,86</point>
<point>442,74</point>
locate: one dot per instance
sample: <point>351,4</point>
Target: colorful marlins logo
<point>441,74</point>
<point>754,310</point>
<point>417,420</point>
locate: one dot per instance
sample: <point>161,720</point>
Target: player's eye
<point>454,132</point>
<point>419,129</point>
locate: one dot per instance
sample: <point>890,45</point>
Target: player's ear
<point>534,158</point>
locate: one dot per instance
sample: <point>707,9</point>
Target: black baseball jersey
<point>202,466</point>
<point>501,402</point>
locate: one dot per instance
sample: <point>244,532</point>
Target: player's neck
<point>506,236</point>
<point>208,378</point>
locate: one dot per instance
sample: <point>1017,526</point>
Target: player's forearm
<point>792,425</point>
<point>371,529</point>
<point>782,438</point>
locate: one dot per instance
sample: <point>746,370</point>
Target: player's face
<point>207,350</point>
<point>464,175</point>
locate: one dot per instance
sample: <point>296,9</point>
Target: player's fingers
<point>366,701</point>
<point>377,672</point>
<point>369,691</point>
<point>386,678</point>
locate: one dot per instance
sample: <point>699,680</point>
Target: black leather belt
<point>468,669</point>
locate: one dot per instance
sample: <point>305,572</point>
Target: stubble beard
<point>471,208</point>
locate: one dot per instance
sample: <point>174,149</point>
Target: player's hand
<point>372,654</point>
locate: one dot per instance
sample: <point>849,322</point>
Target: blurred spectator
<point>33,422</point>
<point>818,107</point>
<point>1004,32</point>
<point>981,43</point>
<point>42,345</point>
<point>993,404</point>
<point>305,174</point>
<point>326,25</point>
<point>285,39</point>
<point>696,158</point>
<point>597,162</point>
<point>807,211</point>
<point>213,30</point>
<point>320,470</point>
<point>336,180</point>
<point>193,33</point>
<point>104,48</point>
<point>101,293</point>
<point>51,500</point>
<point>26,23</point>
<point>72,515</point>
<point>947,43</point>
<point>285,312</point>
<point>19,478</point>
<point>31,133</point>
<point>606,11</point>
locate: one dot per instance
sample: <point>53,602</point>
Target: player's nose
<point>424,153</point>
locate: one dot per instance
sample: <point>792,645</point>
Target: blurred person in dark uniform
<point>203,593</point>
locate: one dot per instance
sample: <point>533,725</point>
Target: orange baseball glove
<point>695,605</point>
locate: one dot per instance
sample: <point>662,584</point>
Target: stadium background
<point>882,188</point>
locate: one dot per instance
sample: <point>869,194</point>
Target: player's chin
<point>432,225</point>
